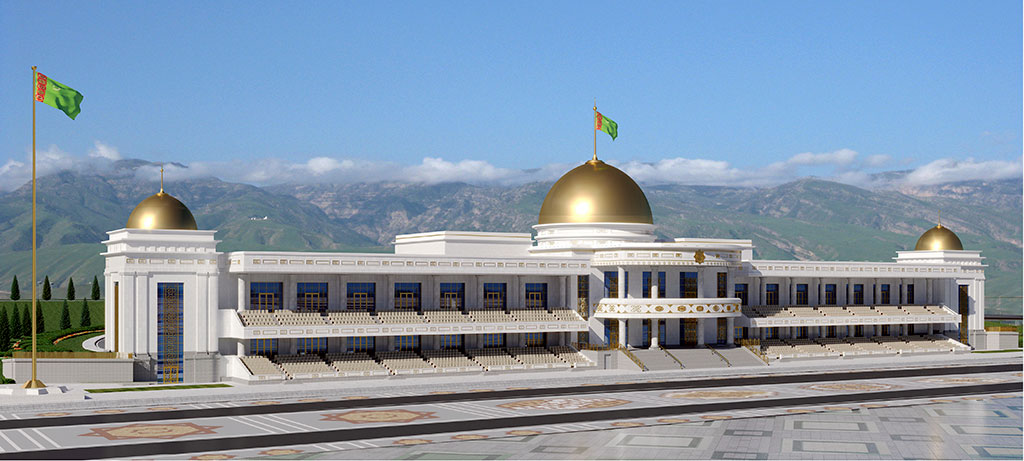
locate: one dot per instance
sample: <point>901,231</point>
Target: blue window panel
<point>311,296</point>
<point>687,284</point>
<point>361,296</point>
<point>265,295</point>
<point>536,296</point>
<point>170,332</point>
<point>453,296</point>
<point>494,296</point>
<point>494,340</point>
<point>743,294</point>
<point>771,294</point>
<point>407,296</point>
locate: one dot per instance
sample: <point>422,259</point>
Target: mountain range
<point>810,219</point>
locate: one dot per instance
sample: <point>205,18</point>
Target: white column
<point>622,333</point>
<point>654,283</point>
<point>654,333</point>
<point>243,285</point>
<point>622,282</point>
<point>730,332</point>
<point>145,328</point>
<point>700,332</point>
<point>389,293</point>
<point>213,306</point>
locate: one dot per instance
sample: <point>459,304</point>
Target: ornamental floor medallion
<point>719,394</point>
<point>378,416</point>
<point>961,380</point>
<point>850,387</point>
<point>163,431</point>
<point>564,404</point>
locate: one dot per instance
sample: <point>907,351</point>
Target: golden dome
<point>161,211</point>
<point>595,192</point>
<point>939,238</point>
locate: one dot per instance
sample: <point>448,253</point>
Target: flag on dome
<point>58,95</point>
<point>605,124</point>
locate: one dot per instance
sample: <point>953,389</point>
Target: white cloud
<point>101,150</point>
<point>843,165</point>
<point>950,170</point>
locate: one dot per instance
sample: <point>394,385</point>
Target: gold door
<point>723,331</point>
<point>405,301</point>
<point>493,300</point>
<point>689,332</point>
<point>451,301</point>
<point>359,302</point>
<point>613,332</point>
<point>266,301</point>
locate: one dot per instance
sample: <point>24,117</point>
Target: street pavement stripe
<point>44,437</point>
<point>9,441</point>
<point>287,422</point>
<point>243,420</point>
<point>459,407</point>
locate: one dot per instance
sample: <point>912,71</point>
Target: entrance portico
<point>695,312</point>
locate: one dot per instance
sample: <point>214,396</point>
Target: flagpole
<point>34,383</point>
<point>595,130</point>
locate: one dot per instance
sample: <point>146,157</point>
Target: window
<point>611,284</point>
<point>265,347</point>
<point>360,344</point>
<point>771,294</point>
<point>407,343</point>
<point>830,294</point>
<point>494,340</point>
<point>723,286</point>
<point>647,285</point>
<point>858,294</point>
<point>772,333</point>
<point>741,292</point>
<point>449,341</point>
<point>494,296</point>
<point>801,294</point>
<point>311,297</point>
<point>453,296</point>
<point>362,297</point>
<point>311,345</point>
<point>535,339</point>
<point>536,296</point>
<point>611,331</point>
<point>265,295</point>
<point>407,297</point>
<point>688,284</point>
<point>910,294</point>
<point>885,294</point>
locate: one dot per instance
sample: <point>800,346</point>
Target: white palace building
<point>592,283</point>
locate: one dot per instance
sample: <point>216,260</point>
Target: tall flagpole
<point>34,383</point>
<point>595,130</point>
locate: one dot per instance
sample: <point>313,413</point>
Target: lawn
<point>51,311</point>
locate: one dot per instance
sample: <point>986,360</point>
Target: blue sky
<point>744,92</point>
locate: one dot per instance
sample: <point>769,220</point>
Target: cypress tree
<point>65,316</point>
<point>85,320</point>
<point>40,323</point>
<point>46,288</point>
<point>15,323</point>
<point>95,288</point>
<point>71,290</point>
<point>5,330</point>
<point>15,289</point>
<point>26,322</point>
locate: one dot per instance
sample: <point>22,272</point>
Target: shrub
<point>95,289</point>
<point>65,316</point>
<point>15,289</point>
<point>46,288</point>
<point>71,289</point>
<point>85,319</point>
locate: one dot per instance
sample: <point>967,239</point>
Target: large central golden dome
<point>595,192</point>
<point>161,211</point>
<point>938,238</point>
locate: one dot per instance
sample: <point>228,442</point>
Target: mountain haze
<point>809,219</point>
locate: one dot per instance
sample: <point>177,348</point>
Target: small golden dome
<point>595,192</point>
<point>161,211</point>
<point>939,238</point>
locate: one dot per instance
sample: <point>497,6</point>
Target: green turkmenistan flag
<point>605,124</point>
<point>58,95</point>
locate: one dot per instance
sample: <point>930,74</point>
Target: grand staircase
<point>740,356</point>
<point>656,359</point>
<point>698,358</point>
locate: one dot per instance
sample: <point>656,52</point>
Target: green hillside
<point>808,219</point>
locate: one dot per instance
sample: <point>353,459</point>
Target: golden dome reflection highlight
<point>595,192</point>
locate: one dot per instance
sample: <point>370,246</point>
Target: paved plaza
<point>968,411</point>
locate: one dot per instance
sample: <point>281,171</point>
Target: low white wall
<point>61,371</point>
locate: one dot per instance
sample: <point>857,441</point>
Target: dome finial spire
<point>595,131</point>
<point>940,218</point>
<point>161,179</point>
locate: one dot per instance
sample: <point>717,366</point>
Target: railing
<point>754,345</point>
<point>719,354</point>
<point>1000,328</point>
<point>593,347</point>
<point>634,358</point>
<point>67,355</point>
<point>672,356</point>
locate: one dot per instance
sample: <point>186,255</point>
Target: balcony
<point>667,308</point>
